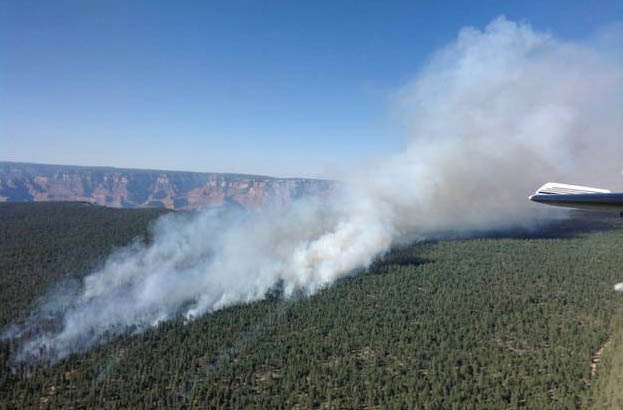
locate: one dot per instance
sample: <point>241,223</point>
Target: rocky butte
<point>132,188</point>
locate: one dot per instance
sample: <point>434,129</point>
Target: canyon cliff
<point>132,188</point>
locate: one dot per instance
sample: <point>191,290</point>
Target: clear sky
<point>289,88</point>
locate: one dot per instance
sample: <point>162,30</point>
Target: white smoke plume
<point>492,116</point>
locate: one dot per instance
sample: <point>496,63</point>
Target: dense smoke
<point>492,116</point>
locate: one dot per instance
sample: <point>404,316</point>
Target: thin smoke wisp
<point>491,116</point>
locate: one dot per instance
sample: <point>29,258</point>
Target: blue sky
<point>282,88</point>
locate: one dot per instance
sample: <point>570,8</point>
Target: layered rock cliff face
<point>132,188</point>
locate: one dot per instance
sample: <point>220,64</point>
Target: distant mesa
<point>134,188</point>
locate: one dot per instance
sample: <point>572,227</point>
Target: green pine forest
<point>508,320</point>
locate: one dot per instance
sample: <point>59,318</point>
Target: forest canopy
<point>511,320</point>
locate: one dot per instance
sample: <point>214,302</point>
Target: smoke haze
<point>492,116</point>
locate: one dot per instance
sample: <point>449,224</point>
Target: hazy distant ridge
<point>131,188</point>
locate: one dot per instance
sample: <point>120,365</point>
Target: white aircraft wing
<point>580,197</point>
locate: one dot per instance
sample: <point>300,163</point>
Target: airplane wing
<point>580,197</point>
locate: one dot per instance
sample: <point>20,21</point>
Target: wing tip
<point>559,188</point>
